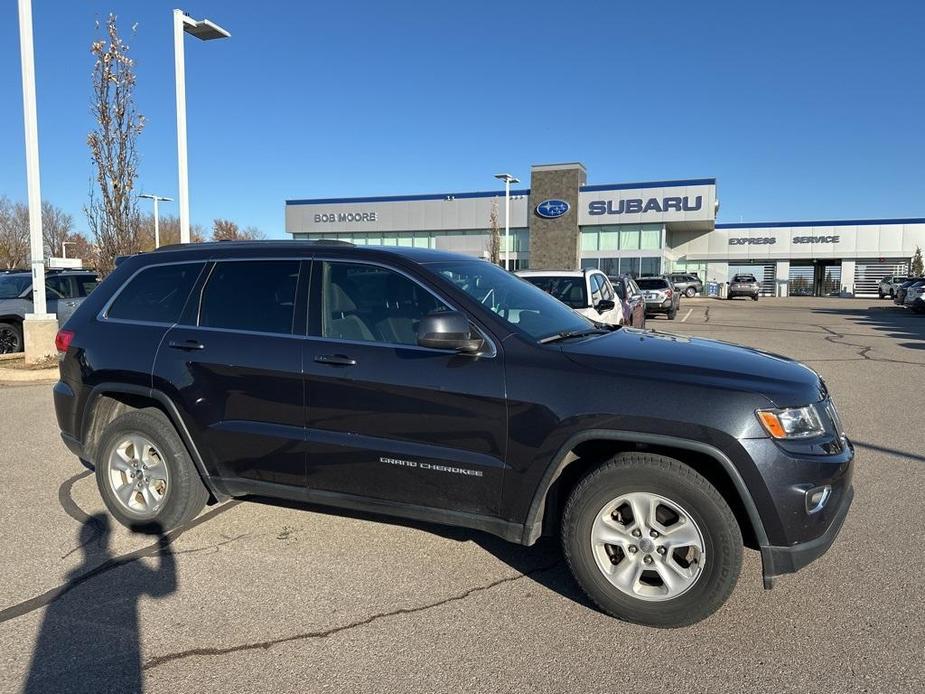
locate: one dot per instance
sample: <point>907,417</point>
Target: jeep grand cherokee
<point>437,387</point>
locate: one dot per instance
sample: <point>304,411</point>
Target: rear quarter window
<point>156,294</point>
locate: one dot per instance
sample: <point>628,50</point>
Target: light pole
<point>204,30</point>
<point>64,245</point>
<point>157,229</point>
<point>508,180</point>
<point>39,326</point>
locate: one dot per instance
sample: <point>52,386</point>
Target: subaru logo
<point>550,209</point>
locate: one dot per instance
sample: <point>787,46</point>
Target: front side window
<point>11,286</point>
<point>156,294</point>
<point>59,288</point>
<point>520,303</point>
<point>373,304</point>
<point>596,292</point>
<point>569,290</point>
<point>251,295</point>
<point>606,290</point>
<point>86,284</point>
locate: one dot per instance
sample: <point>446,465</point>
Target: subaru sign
<point>551,209</point>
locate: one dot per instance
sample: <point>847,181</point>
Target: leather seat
<point>343,322</point>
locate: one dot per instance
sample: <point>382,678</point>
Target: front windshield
<point>518,302</point>
<point>12,286</point>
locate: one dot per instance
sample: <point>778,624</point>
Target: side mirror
<point>447,330</point>
<point>605,305</point>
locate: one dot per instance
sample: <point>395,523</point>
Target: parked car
<point>634,304</point>
<point>64,290</point>
<point>660,296</point>
<point>888,285</point>
<point>437,387</point>
<point>899,297</point>
<point>589,292</point>
<point>744,285</point>
<point>913,292</point>
<point>687,284</point>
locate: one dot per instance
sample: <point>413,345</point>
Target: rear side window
<point>86,284</point>
<point>569,290</point>
<point>156,294</point>
<point>252,295</point>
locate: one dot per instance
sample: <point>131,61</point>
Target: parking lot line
<point>687,315</point>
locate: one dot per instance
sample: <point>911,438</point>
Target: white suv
<point>589,292</point>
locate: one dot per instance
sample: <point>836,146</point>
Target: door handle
<point>335,360</point>
<point>187,345</point>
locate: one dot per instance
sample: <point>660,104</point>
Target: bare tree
<point>14,234</point>
<point>226,230</point>
<point>112,211</point>
<point>494,234</point>
<point>57,227</point>
<point>168,231</point>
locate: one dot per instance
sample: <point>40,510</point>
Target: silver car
<point>744,285</point>
<point>888,285</point>
<point>64,291</point>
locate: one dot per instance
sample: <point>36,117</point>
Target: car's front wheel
<point>651,541</point>
<point>145,474</point>
<point>10,338</point>
<point>689,292</point>
<point>754,297</point>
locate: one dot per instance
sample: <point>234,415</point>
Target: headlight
<point>791,423</point>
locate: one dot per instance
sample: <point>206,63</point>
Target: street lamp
<point>157,230</point>
<point>204,30</point>
<point>64,245</point>
<point>39,327</point>
<point>508,180</point>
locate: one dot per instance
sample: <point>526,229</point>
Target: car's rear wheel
<point>651,541</point>
<point>689,292</point>
<point>754,297</point>
<point>10,338</point>
<point>145,474</point>
<point>672,312</point>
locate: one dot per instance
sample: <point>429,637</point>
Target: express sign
<point>771,240</point>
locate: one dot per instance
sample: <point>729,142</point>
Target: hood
<point>699,361</point>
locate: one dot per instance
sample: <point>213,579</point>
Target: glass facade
<point>632,249</point>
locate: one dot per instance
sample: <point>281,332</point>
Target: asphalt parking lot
<point>255,597</point>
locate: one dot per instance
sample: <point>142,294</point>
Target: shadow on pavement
<point>890,451</point>
<point>90,639</point>
<point>897,322</point>
<point>543,562</point>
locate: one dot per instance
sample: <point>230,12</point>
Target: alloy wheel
<point>9,340</point>
<point>138,476</point>
<point>649,547</point>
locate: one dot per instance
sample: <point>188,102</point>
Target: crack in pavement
<point>49,596</point>
<point>324,633</point>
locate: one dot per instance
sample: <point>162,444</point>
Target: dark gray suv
<point>438,387</point>
<point>64,291</point>
<point>686,284</point>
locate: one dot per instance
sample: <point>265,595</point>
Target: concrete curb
<point>28,375</point>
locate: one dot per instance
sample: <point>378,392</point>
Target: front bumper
<point>777,561</point>
<point>797,535</point>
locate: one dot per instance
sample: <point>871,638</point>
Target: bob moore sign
<point>341,217</point>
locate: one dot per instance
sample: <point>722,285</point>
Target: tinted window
<point>156,294</point>
<point>652,283</point>
<point>519,303</point>
<point>744,278</point>
<point>620,289</point>
<point>596,292</point>
<point>569,290</point>
<point>11,286</point>
<point>374,304</point>
<point>256,295</point>
<point>86,284</point>
<point>57,287</point>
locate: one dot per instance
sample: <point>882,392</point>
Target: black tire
<point>755,297</point>
<point>882,295</point>
<point>10,338</point>
<point>689,292</point>
<point>185,496</point>
<point>672,313</point>
<point>671,479</point>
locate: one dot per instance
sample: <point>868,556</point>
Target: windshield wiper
<point>565,334</point>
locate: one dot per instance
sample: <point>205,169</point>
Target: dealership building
<point>562,222</point>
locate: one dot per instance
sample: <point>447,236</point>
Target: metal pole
<point>180,75</point>
<point>32,157</point>
<point>64,250</point>
<point>507,223</point>
<point>157,232</point>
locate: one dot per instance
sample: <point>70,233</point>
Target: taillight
<point>668,294</point>
<point>63,340</point>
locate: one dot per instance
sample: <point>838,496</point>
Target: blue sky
<point>801,110</point>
